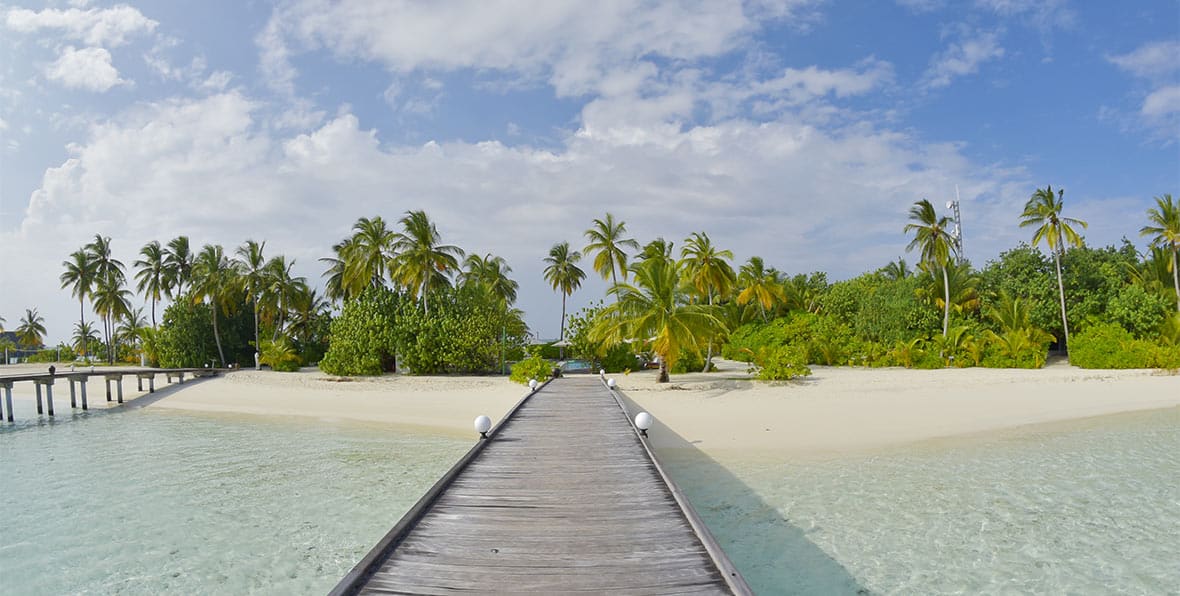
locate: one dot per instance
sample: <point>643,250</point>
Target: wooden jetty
<point>563,496</point>
<point>44,382</point>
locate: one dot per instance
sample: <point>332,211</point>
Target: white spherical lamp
<point>602,372</point>
<point>532,384</point>
<point>482,425</point>
<point>643,422</point>
<point>610,383</point>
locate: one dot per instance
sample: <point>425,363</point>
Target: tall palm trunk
<point>153,313</point>
<point>614,281</point>
<point>664,378</point>
<point>257,346</point>
<point>217,334</point>
<point>1061,294</point>
<point>709,348</point>
<point>425,303</point>
<point>561,336</point>
<point>1176,275</point>
<point>82,325</point>
<point>946,301</point>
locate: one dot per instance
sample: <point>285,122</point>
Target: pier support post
<point>119,385</point>
<point>108,384</point>
<point>139,383</point>
<point>152,383</point>
<point>7,398</point>
<point>73,395</point>
<point>82,382</point>
<point>49,396</point>
<point>37,387</point>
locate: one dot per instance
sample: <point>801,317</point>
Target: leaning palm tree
<point>254,276</point>
<point>334,287</point>
<point>708,271</point>
<point>563,274</point>
<point>1043,210</point>
<point>491,273</point>
<point>213,281</point>
<point>421,262</point>
<point>655,307</point>
<point>896,270</point>
<point>178,262</point>
<point>31,331</point>
<point>366,255</point>
<point>1166,235</point>
<point>932,238</point>
<point>152,274</point>
<point>130,327</point>
<point>80,275</point>
<point>606,243</point>
<point>759,285</point>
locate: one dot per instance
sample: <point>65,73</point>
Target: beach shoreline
<point>724,414</point>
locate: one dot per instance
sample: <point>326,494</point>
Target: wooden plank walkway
<point>564,497</point>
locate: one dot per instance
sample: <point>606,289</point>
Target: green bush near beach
<point>531,368</point>
<point>1108,345</point>
<point>464,332</point>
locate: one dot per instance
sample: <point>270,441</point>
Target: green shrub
<point>533,367</point>
<point>617,359</point>
<point>279,355</point>
<point>688,361</point>
<point>781,363</point>
<point>1138,311</point>
<point>1109,345</point>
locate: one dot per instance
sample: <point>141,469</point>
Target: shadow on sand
<point>773,555</point>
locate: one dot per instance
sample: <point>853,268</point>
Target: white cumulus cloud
<point>962,58</point>
<point>1157,65</point>
<point>108,27</point>
<point>88,68</point>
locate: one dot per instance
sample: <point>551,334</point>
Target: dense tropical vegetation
<point>407,300</point>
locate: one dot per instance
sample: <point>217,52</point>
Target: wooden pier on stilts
<point>563,496</point>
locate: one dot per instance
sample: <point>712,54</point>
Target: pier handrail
<point>355,579</point>
<point>733,578</point>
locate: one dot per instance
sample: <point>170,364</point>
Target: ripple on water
<point>1094,508</point>
<point>148,502</point>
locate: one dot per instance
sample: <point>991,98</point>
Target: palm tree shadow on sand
<point>773,555</point>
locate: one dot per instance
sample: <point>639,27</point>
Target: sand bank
<point>446,405</point>
<point>724,414</point>
<point>839,410</point>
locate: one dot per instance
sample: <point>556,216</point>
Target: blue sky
<point>798,130</point>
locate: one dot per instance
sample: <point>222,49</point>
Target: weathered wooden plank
<point>565,498</point>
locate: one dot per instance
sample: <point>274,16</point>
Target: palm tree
<point>112,302</point>
<point>1043,210</point>
<point>936,245</point>
<point>152,274</point>
<point>896,270</point>
<point>1166,231</point>
<point>129,329</point>
<point>655,307</point>
<point>79,276</point>
<point>84,335</point>
<point>962,285</point>
<point>213,280</point>
<point>758,285</point>
<point>491,273</point>
<point>708,271</point>
<point>306,308</point>
<point>334,287</point>
<point>421,262</point>
<point>254,276</point>
<point>282,290</point>
<point>178,261</point>
<point>564,274</point>
<point>366,255</point>
<point>606,244</point>
<point>31,331</point>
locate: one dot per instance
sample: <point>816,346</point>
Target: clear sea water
<point>159,502</point>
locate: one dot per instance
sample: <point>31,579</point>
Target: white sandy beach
<point>724,414</point>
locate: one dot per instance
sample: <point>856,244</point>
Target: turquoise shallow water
<point>157,502</point>
<point>1091,507</point>
<point>160,502</point>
